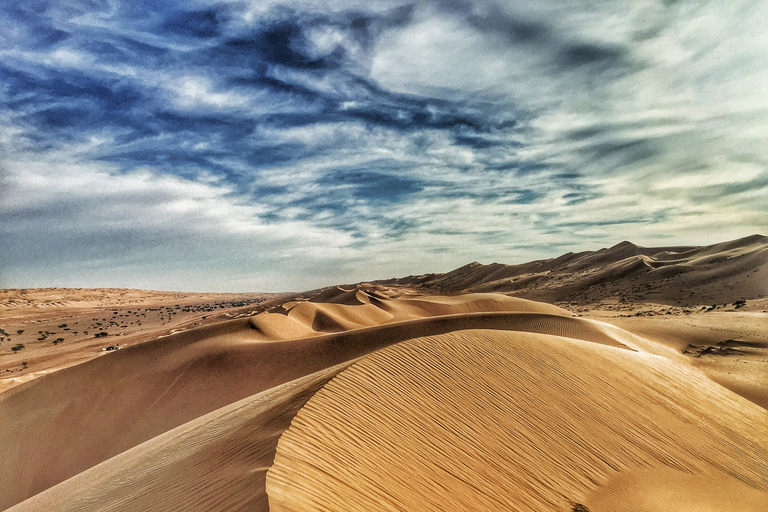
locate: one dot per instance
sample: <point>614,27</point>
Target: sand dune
<point>191,421</point>
<point>731,347</point>
<point>45,330</point>
<point>684,276</point>
<point>78,417</point>
<point>216,462</point>
<point>661,489</point>
<point>491,420</point>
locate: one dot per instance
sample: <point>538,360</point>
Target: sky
<point>286,145</point>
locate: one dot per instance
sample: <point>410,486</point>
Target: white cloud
<point>196,91</point>
<point>634,119</point>
<point>152,226</point>
<point>253,11</point>
<point>441,53</point>
<point>728,173</point>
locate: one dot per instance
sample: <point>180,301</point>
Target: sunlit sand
<point>422,393</point>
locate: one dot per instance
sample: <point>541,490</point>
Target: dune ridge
<point>678,275</point>
<point>78,417</point>
<point>215,462</point>
<point>496,420</point>
<point>145,428</point>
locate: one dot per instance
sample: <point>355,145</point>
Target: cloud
<point>92,223</point>
<point>301,141</point>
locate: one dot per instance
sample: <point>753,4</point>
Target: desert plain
<point>622,379</point>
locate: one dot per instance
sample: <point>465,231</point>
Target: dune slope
<point>494,420</point>
<point>684,275</point>
<point>730,347</point>
<point>216,462</point>
<point>59,425</point>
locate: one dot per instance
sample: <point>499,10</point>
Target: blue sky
<point>285,145</point>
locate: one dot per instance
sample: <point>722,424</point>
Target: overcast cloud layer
<point>271,146</point>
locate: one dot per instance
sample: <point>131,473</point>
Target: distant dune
<point>684,276</point>
<point>397,397</point>
<point>47,329</point>
<point>35,298</point>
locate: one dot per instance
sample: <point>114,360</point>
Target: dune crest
<point>495,420</point>
<point>101,408</point>
<point>215,462</point>
<point>192,420</point>
<point>679,275</point>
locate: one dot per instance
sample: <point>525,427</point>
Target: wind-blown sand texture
<point>378,397</point>
<point>493,420</point>
<point>81,416</point>
<point>215,462</point>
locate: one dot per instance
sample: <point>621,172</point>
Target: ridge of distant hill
<point>680,275</point>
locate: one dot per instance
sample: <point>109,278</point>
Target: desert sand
<point>399,395</point>
<point>59,327</point>
<point>512,421</point>
<point>625,274</point>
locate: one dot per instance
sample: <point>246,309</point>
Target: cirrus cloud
<point>289,144</point>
